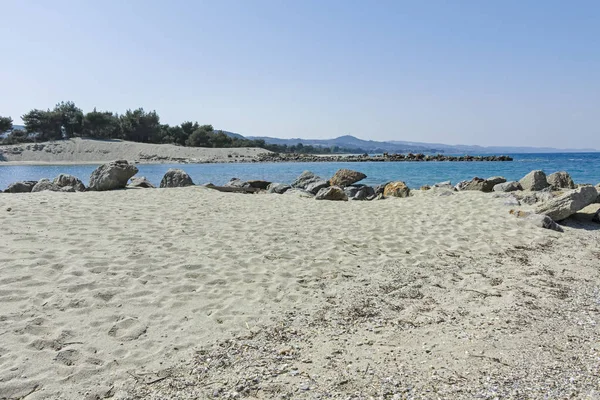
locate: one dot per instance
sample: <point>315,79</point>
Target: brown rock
<point>346,177</point>
<point>396,189</point>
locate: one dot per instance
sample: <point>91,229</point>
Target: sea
<point>583,167</point>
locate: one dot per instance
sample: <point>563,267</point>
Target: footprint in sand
<point>127,329</point>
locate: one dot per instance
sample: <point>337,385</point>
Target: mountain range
<point>397,146</point>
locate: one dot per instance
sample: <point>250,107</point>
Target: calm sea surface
<point>583,167</point>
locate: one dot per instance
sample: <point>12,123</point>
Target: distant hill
<point>397,146</point>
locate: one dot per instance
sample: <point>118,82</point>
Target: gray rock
<point>315,187</point>
<point>346,177</point>
<point>482,185</point>
<point>306,178</point>
<point>379,189</point>
<point>113,175</point>
<point>544,221</point>
<point>279,188</point>
<point>299,193</point>
<point>20,187</point>
<point>512,201</point>
<point>512,186</point>
<point>364,193</point>
<point>596,217</point>
<point>598,190</point>
<point>569,203</point>
<point>45,184</point>
<point>535,180</point>
<point>351,191</point>
<point>541,221</point>
<point>331,193</point>
<point>176,178</point>
<point>561,180</point>
<point>263,185</point>
<point>236,182</point>
<point>140,182</point>
<point>64,180</point>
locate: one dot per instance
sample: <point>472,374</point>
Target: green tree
<point>200,137</point>
<point>71,118</point>
<point>16,136</point>
<point>44,125</point>
<point>101,125</point>
<point>140,126</point>
<point>219,139</point>
<point>6,124</point>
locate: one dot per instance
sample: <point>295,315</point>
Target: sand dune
<point>81,151</point>
<point>114,293</point>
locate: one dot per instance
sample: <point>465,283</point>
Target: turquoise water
<point>583,167</point>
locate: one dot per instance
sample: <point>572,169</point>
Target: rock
<point>425,187</point>
<point>176,178</point>
<point>396,189</point>
<point>461,185</point>
<point>541,221</point>
<point>596,217</point>
<point>64,180</point>
<point>305,179</point>
<point>140,182</point>
<point>535,180</point>
<point>512,186</point>
<point>365,193</point>
<point>299,193</point>
<point>331,193</point>
<point>380,188</point>
<point>316,186</point>
<point>279,188</point>
<point>20,187</point>
<point>598,190</point>
<point>444,185</point>
<point>69,189</point>
<point>45,184</point>
<point>346,177</point>
<point>113,175</point>
<point>482,185</point>
<point>263,185</point>
<point>561,180</point>
<point>351,191</point>
<point>569,203</point>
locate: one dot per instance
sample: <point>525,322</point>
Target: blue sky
<point>456,72</point>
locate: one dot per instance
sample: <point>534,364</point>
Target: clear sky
<point>457,72</point>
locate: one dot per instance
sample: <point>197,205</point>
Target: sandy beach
<point>193,293</point>
<point>91,151</point>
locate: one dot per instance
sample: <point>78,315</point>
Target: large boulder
<point>307,179</point>
<point>111,176</point>
<point>279,188</point>
<point>379,189</point>
<point>346,177</point>
<point>176,178</point>
<point>535,180</point>
<point>331,193</point>
<point>482,185</point>
<point>45,184</point>
<point>569,203</point>
<point>66,180</point>
<point>560,180</point>
<point>140,182</point>
<point>20,187</point>
<point>396,189</point>
<point>598,190</point>
<point>508,187</point>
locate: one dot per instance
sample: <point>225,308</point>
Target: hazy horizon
<point>505,74</point>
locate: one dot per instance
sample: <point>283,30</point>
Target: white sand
<point>81,151</point>
<point>108,294</point>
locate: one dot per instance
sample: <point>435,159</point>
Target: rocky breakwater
<point>295,157</point>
